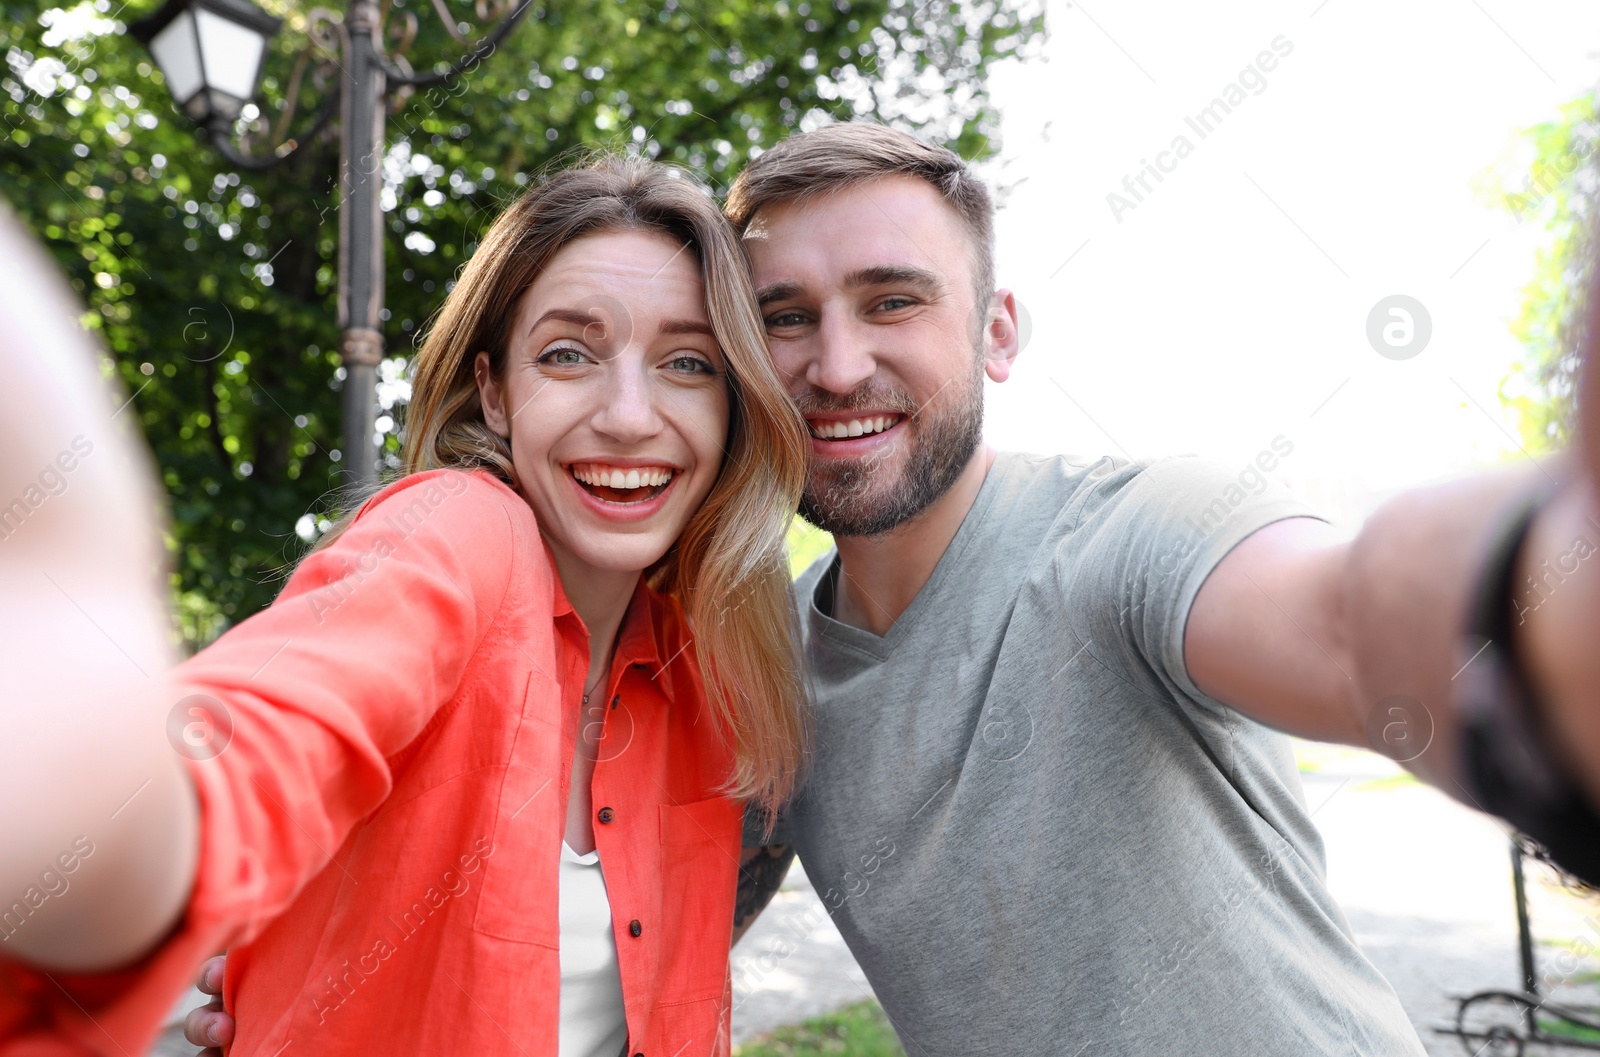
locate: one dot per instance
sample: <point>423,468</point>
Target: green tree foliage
<point>214,289</point>
<point>1557,190</point>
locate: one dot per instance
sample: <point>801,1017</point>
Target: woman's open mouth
<point>622,485</point>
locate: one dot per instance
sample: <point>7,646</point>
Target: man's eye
<point>785,319</point>
<point>894,304</point>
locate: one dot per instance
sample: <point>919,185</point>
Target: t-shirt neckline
<point>881,647</point>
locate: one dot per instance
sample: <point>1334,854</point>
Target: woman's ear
<point>494,415</point>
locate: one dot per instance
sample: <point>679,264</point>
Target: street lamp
<point>211,53</point>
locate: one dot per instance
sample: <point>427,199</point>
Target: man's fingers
<point>210,980</point>
<point>208,1026</point>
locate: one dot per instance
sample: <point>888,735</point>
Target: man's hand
<point>1556,637</point>
<point>210,1026</point>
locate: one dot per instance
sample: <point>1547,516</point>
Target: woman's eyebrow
<point>686,326</point>
<point>588,319</point>
<point>566,315</point>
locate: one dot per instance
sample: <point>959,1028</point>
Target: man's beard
<point>848,499</point>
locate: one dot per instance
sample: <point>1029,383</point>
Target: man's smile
<point>838,428</point>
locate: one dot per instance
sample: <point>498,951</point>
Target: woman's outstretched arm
<point>98,820</point>
<point>154,814</point>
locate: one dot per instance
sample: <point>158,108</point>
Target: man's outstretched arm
<point>1325,637</point>
<point>1314,635</point>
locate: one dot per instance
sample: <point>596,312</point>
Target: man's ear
<point>1001,339</point>
<point>494,415</point>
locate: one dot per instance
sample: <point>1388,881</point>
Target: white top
<point>592,1020</point>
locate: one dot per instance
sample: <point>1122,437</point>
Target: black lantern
<point>211,53</point>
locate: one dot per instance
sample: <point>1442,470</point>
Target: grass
<point>860,1030</point>
<point>806,545</point>
<point>1403,780</point>
<point>1569,1031</point>
<point>1582,948</point>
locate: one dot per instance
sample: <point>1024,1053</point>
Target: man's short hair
<point>834,157</point>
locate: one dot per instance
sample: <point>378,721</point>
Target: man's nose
<point>628,412</point>
<point>843,359</point>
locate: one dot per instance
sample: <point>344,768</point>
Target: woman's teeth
<point>603,476</point>
<point>856,427</point>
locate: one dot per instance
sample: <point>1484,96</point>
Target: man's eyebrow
<point>777,292</point>
<point>877,275</point>
<point>891,274</point>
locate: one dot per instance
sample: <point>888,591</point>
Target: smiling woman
<point>614,399</point>
<point>635,258</point>
<point>600,464</point>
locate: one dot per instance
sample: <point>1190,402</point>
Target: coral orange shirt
<point>390,747</point>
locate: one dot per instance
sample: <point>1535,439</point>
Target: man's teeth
<point>856,427</point>
<point>616,477</point>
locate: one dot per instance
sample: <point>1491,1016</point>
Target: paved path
<point>1425,884</point>
<point>792,964</point>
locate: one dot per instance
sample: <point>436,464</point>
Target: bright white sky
<point>1231,305</point>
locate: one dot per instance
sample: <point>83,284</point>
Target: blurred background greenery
<point>214,289</point>
<point>1554,183</point>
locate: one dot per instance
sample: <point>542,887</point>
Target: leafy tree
<point>214,289</point>
<point>1559,190</point>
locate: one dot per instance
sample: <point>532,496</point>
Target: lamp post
<point>212,53</point>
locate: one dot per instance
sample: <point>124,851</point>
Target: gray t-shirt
<point>1034,831</point>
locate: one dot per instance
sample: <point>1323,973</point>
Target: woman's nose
<point>629,412</point>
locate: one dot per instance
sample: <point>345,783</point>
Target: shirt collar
<point>640,638</point>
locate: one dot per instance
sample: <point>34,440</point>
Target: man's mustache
<point>866,397</point>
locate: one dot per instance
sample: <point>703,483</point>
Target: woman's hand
<point>111,834</point>
<point>210,1025</point>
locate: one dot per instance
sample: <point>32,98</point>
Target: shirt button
<point>606,814</point>
<point>634,928</point>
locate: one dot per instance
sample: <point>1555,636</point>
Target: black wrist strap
<point>1507,766</point>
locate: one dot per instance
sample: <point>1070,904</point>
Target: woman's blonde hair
<point>728,569</point>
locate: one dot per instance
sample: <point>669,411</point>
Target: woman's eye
<point>564,356</point>
<point>690,365</point>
